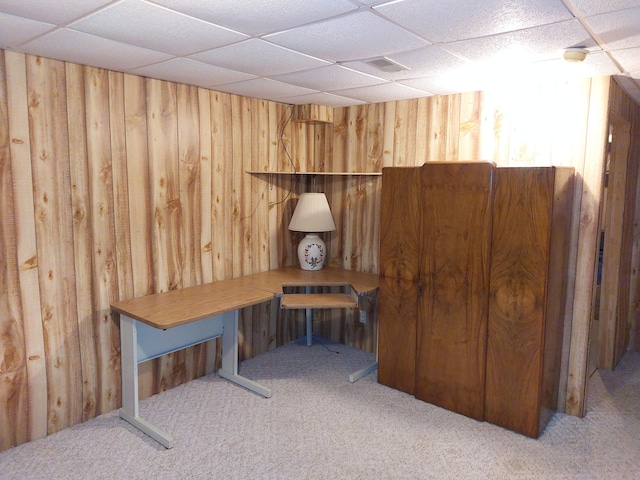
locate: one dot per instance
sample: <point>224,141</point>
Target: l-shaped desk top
<point>178,307</point>
<point>199,313</point>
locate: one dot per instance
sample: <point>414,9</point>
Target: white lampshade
<point>312,214</point>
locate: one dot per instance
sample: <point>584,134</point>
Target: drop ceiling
<point>317,51</point>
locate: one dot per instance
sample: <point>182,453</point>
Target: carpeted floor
<point>317,425</point>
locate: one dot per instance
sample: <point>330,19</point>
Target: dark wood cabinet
<point>473,263</point>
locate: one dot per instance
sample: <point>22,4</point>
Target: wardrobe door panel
<point>400,241</point>
<point>453,305</point>
<point>528,285</point>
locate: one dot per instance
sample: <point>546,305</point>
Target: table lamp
<point>312,215</point>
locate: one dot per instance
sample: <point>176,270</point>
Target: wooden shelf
<point>313,114</point>
<point>344,174</point>
<point>294,301</point>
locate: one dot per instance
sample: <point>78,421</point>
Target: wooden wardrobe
<point>473,275</point>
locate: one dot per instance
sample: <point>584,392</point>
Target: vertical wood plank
<point>188,130</point>
<point>54,226</point>
<point>135,113</point>
<point>588,208</point>
<point>222,205</point>
<point>469,126</point>
<point>204,120</point>
<point>25,243</point>
<point>120,186</point>
<point>82,236</point>
<point>612,324</point>
<point>455,128</point>
<point>121,221</point>
<point>14,414</point>
<point>260,140</point>
<point>167,227</point>
<point>206,250</point>
<point>437,135</point>
<point>189,181</point>
<point>105,285</point>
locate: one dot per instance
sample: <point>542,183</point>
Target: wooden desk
<point>154,325</point>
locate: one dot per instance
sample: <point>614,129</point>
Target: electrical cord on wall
<point>294,177</point>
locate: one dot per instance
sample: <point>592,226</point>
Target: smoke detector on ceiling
<point>575,54</point>
<point>386,65</point>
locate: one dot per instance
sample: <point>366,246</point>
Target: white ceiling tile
<point>383,93</point>
<point>322,98</point>
<point>592,7</point>
<point>264,88</point>
<point>84,49</point>
<point>596,64</point>
<point>190,72</point>
<point>15,31</point>
<point>162,29</point>
<point>465,79</point>
<point>628,58</point>
<point>332,77</point>
<point>259,58</point>
<point>440,21</point>
<point>260,16</point>
<point>58,13</point>
<point>524,46</point>
<point>350,37</point>
<point>427,61</point>
<point>618,29</point>
<point>372,2</point>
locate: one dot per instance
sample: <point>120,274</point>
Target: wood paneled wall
<point>114,186</point>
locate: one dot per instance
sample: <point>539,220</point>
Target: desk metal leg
<point>129,371</point>
<point>309,319</point>
<point>355,376</point>
<point>229,369</point>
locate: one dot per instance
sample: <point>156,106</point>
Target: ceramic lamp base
<point>311,252</point>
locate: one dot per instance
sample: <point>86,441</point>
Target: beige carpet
<point>317,425</point>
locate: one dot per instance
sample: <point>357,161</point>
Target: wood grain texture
<point>102,225</point>
<point>13,359</point>
<point>589,169</point>
<point>613,334</point>
<point>82,235</point>
<point>559,284</point>
<point>53,220</point>
<point>397,314</point>
<point>401,230</point>
<point>454,270</point>
<point>26,249</point>
<point>140,217</point>
<point>528,285</point>
<point>625,113</point>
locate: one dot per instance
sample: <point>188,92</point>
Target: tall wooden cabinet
<point>473,263</point>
